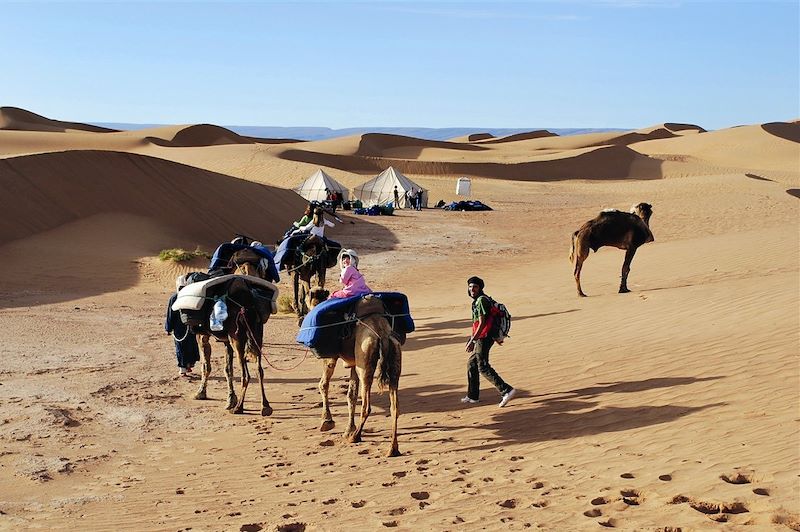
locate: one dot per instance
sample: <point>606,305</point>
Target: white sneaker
<point>507,397</point>
<point>468,400</point>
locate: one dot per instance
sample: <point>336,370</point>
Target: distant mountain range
<point>321,133</point>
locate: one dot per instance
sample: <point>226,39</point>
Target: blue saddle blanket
<point>225,251</point>
<point>325,326</point>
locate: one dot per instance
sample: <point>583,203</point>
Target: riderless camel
<point>622,230</point>
<point>371,346</point>
<point>243,331</point>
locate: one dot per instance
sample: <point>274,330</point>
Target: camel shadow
<point>565,416</point>
<point>793,192</point>
<point>436,339</point>
<point>561,420</point>
<point>561,416</point>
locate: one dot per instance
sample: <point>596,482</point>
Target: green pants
<point>478,364</point>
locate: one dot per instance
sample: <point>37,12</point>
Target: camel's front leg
<point>229,375</point>
<point>242,355</point>
<point>204,341</point>
<point>328,366</point>
<point>352,397</point>
<point>626,269</point>
<point>321,275</point>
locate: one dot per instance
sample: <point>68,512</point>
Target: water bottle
<point>218,314</point>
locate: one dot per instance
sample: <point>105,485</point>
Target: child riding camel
<point>352,279</point>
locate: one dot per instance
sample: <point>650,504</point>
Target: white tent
<point>380,189</point>
<point>313,188</point>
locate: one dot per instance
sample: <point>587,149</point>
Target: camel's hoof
<point>299,322</point>
<point>266,411</point>
<point>581,294</point>
<point>201,395</point>
<point>237,410</point>
<point>623,291</point>
<point>327,425</point>
<point>393,452</point>
<point>353,438</point>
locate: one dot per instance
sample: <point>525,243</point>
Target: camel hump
<point>369,305</point>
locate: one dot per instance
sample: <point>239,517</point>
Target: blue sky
<point>425,64</point>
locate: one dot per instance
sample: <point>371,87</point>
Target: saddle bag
<point>264,302</point>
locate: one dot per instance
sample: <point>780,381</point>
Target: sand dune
<point>673,407</point>
<point>773,146</point>
<point>607,162</point>
<point>542,133</point>
<point>390,146</point>
<point>20,119</point>
<point>210,135</point>
<point>53,189</point>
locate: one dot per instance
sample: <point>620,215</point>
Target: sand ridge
<point>672,407</point>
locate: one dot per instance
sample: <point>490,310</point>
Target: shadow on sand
<point>433,333</point>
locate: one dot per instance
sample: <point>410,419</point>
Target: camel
<point>312,258</point>
<point>620,229</point>
<point>371,346</point>
<point>243,331</point>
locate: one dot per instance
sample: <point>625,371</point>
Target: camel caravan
<point>234,300</point>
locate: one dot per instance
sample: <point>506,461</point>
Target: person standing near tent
<point>316,225</point>
<point>418,204</point>
<point>396,198</point>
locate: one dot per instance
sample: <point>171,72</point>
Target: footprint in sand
<point>508,503</point>
<point>330,501</point>
<point>609,523</point>
<point>631,497</point>
<point>420,495</point>
<point>292,527</point>
<point>541,503</point>
<point>597,501</point>
<point>738,477</point>
<point>627,475</point>
<point>399,474</point>
<point>594,512</point>
<point>390,524</point>
<point>665,478</point>
<point>397,511</point>
<point>761,491</point>
<point>252,527</point>
<point>358,504</point>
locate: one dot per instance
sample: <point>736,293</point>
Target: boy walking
<point>479,345</point>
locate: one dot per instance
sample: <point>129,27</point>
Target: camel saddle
<point>195,300</point>
<point>331,322</point>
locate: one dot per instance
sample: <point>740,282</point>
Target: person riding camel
<point>352,280</point>
<point>316,225</point>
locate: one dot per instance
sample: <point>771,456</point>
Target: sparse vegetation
<point>182,255</point>
<point>285,304</point>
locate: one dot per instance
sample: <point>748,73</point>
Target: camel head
<point>643,211</point>
<point>316,296</point>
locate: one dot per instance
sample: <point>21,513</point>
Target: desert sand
<point>673,407</point>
